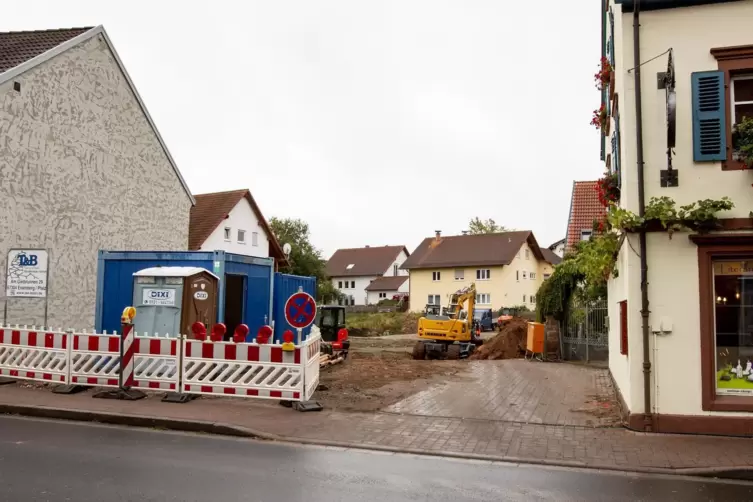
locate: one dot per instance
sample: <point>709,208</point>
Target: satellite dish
<point>286,249</point>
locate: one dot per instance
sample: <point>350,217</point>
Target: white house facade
<point>82,168</point>
<point>353,270</point>
<point>232,221</point>
<point>690,369</point>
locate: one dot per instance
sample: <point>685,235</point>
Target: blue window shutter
<point>616,154</point>
<point>709,116</point>
<point>611,36</point>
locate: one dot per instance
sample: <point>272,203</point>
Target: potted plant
<point>599,119</point>
<point>742,142</point>
<point>604,75</point>
<point>608,188</point>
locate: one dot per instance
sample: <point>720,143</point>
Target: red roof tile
<point>584,209</point>
<point>368,261</point>
<point>471,250</point>
<point>17,47</point>
<point>212,208</point>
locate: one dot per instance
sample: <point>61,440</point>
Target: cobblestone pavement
<point>521,391</point>
<point>568,444</point>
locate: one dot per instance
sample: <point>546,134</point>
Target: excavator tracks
<point>442,350</point>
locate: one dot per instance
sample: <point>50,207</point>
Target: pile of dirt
<point>509,343</point>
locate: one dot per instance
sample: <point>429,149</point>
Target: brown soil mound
<point>510,343</point>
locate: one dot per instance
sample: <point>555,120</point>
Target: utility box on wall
<point>169,300</point>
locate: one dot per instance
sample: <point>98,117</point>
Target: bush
<point>381,323</point>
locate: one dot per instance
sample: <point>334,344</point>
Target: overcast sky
<point>377,122</point>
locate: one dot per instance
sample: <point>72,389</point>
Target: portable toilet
<point>169,300</point>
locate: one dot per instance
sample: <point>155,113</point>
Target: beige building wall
<point>672,263</point>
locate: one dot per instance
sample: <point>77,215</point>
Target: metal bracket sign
<point>300,310</point>
<point>26,274</point>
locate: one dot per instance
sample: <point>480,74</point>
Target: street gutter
<point>744,473</point>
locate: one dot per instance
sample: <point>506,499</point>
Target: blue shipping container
<point>285,286</point>
<point>245,286</point>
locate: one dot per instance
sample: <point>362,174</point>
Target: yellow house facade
<point>507,268</point>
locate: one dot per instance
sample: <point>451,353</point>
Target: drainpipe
<point>647,415</point>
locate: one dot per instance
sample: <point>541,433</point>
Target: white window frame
<point>394,269</point>
<point>532,298</point>
<point>254,238</point>
<point>241,234</point>
<point>352,284</point>
<point>483,299</point>
<point>732,102</point>
<point>436,276</point>
<point>228,234</point>
<point>528,254</point>
<point>460,276</point>
<point>524,298</point>
<point>532,275</point>
<point>586,233</point>
<point>433,299</point>
<point>483,274</point>
<point>547,276</point>
<point>382,295</point>
<point>340,284</point>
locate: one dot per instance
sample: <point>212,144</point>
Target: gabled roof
<point>550,256</point>
<point>391,283</point>
<point>363,262</point>
<point>471,250</point>
<point>584,209</point>
<point>20,51</point>
<point>211,209</point>
<point>554,245</point>
<point>17,47</point>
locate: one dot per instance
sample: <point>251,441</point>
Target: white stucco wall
<point>390,272</point>
<point>358,292</point>
<point>241,217</point>
<point>81,170</point>
<point>372,297</point>
<point>672,263</point>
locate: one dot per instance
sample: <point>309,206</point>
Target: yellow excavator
<point>449,333</point>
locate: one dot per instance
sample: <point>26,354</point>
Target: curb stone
<point>743,473</point>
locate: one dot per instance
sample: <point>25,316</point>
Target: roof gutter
<point>647,415</point>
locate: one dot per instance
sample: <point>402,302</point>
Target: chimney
<point>439,233</point>
<point>464,232</point>
<point>367,245</point>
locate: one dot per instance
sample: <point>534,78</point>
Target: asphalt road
<point>60,461</point>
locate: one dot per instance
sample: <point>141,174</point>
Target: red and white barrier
<point>311,363</point>
<point>241,369</point>
<point>157,361</point>
<point>259,370</point>
<point>29,354</point>
<point>95,359</point>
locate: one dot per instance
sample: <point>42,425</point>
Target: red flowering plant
<point>604,74</point>
<point>609,191</point>
<point>599,119</point>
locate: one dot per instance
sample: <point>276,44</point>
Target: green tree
<point>305,259</point>
<point>479,226</point>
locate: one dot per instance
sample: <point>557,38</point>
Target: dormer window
<point>350,266</point>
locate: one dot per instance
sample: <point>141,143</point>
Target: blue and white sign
<point>27,273</point>
<point>160,297</point>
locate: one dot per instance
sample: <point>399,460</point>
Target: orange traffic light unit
<point>535,340</point>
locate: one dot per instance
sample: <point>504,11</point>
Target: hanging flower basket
<point>599,119</point>
<point>609,191</point>
<point>603,76</point>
